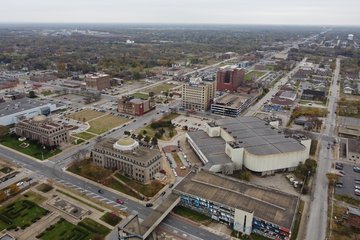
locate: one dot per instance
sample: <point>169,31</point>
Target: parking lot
<point>348,181</point>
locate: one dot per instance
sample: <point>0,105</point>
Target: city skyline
<point>278,12</point>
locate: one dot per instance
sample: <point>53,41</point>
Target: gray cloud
<point>314,12</point>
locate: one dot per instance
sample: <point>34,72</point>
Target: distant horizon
<point>238,12</point>
<point>174,23</point>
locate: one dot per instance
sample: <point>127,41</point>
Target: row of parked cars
<point>340,184</point>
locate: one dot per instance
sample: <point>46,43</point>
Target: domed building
<point>43,130</point>
<point>126,155</point>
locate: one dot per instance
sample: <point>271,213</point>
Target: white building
<point>248,142</point>
<point>351,37</point>
<point>11,112</point>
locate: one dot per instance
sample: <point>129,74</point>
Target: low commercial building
<point>98,81</point>
<point>245,207</point>
<point>289,95</point>
<point>43,130</point>
<point>197,95</point>
<point>13,111</point>
<point>129,157</point>
<point>248,142</point>
<point>230,105</point>
<point>313,95</point>
<point>349,127</point>
<point>135,106</point>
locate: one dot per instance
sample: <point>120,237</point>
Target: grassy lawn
<point>151,131</point>
<point>254,74</point>
<point>6,170</point>
<point>85,115</point>
<point>105,123</point>
<point>44,188</point>
<point>65,230</point>
<point>160,88</point>
<point>111,218</point>
<point>141,95</point>
<point>191,214</point>
<point>296,226</point>
<point>21,213</point>
<point>88,170</point>
<point>79,200</point>
<point>94,227</point>
<point>33,196</point>
<point>84,135</point>
<point>348,199</point>
<point>177,159</point>
<point>33,149</point>
<point>340,230</point>
<point>148,190</point>
<point>116,185</point>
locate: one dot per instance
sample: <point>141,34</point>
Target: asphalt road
<point>255,108</point>
<point>317,222</point>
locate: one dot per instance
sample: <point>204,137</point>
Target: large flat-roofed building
<point>13,111</point>
<point>198,95</point>
<point>229,78</point>
<point>246,207</point>
<point>134,106</point>
<point>43,130</point>
<point>98,81</point>
<point>353,150</point>
<point>248,142</point>
<point>129,157</point>
<point>230,105</point>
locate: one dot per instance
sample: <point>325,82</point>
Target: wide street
<point>317,222</point>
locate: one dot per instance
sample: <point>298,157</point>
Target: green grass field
<point>105,123</point>
<point>160,88</point>
<point>141,95</point>
<point>85,115</point>
<point>148,190</point>
<point>21,213</point>
<point>33,149</point>
<point>254,74</point>
<point>116,185</point>
<point>84,135</point>
<point>85,230</point>
<point>111,218</point>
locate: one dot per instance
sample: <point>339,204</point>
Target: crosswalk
<point>91,194</point>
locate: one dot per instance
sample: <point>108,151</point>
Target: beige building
<point>43,130</point>
<point>198,95</point>
<point>125,154</point>
<point>97,81</point>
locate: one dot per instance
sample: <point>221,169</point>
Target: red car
<point>119,201</point>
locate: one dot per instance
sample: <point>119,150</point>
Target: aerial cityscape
<point>164,120</point>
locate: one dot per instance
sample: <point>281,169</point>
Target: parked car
<point>339,184</point>
<point>356,169</point>
<point>119,201</point>
<point>149,205</point>
<point>100,191</point>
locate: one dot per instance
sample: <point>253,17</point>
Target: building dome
<point>125,144</point>
<point>40,118</point>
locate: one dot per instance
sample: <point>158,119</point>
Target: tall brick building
<point>97,81</point>
<point>134,106</point>
<point>229,78</point>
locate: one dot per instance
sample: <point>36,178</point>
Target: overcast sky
<point>303,12</point>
